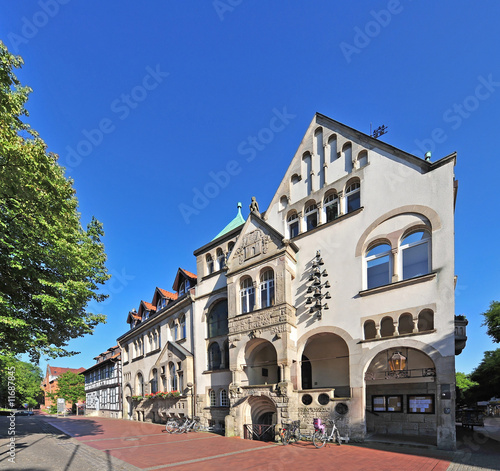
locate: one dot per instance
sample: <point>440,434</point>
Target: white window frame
<point>290,220</point>
<point>267,287</point>
<point>246,293</point>
<point>224,398</point>
<point>426,240</point>
<point>212,398</point>
<point>310,210</point>
<point>350,191</point>
<point>370,258</point>
<point>330,200</point>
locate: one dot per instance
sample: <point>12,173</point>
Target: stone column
<point>395,265</point>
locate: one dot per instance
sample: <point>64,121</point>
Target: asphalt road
<point>40,447</point>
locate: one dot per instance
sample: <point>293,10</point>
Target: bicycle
<point>290,432</point>
<point>320,436</point>
<point>189,425</point>
<point>172,424</point>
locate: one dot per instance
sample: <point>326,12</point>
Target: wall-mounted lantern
<point>397,362</point>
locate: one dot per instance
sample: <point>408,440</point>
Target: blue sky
<point>147,103</point>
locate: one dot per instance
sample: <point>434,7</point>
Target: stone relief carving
<point>253,244</point>
<point>275,320</point>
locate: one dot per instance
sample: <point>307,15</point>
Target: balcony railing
<point>402,374</point>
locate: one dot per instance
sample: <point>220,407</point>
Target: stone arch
<point>261,362</point>
<point>402,342</point>
<point>328,358</point>
<point>127,401</point>
<point>431,215</point>
<point>258,409</point>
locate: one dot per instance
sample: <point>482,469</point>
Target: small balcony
<point>460,333</point>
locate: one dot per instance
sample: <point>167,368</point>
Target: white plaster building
<point>158,369</point>
<point>339,298</point>
<point>103,385</point>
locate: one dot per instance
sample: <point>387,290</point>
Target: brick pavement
<point>145,446</point>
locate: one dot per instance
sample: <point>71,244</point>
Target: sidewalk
<point>148,448</point>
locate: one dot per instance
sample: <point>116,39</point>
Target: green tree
<point>50,266</point>
<point>71,387</point>
<point>487,374</point>
<point>463,385</point>
<point>492,321</point>
<point>27,380</point>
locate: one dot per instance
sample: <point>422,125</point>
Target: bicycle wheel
<point>319,439</point>
<point>171,426</point>
<point>293,437</point>
<point>196,427</point>
<point>337,437</point>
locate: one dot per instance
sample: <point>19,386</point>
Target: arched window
<point>182,326</point>
<point>378,266</point>
<point>425,320</point>
<point>247,295</point>
<point>267,288</point>
<point>387,327</point>
<point>214,356</point>
<point>353,197</point>
<point>173,331</point>
<point>230,248</point>
<point>311,216</point>
<point>415,254</point>
<point>217,319</point>
<point>139,385</point>
<point>154,381</point>
<point>370,330</point>
<point>155,340</point>
<point>283,202</point>
<point>210,264</point>
<point>331,205</point>
<point>405,324</point>
<point>224,399</point>
<point>220,259</point>
<point>172,376</point>
<point>293,225</point>
<point>212,398</point>
<point>332,142</point>
<point>363,158</point>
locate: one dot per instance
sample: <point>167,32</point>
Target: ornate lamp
<point>397,362</point>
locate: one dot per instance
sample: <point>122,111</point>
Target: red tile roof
<point>189,274</point>
<point>57,371</point>
<point>149,306</point>
<point>168,294</point>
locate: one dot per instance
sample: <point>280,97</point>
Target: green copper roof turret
<point>236,222</point>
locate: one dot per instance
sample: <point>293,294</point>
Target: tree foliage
<point>492,321</point>
<point>70,386</point>
<point>27,380</point>
<point>487,374</point>
<point>50,267</point>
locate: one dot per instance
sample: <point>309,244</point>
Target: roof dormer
<point>184,281</point>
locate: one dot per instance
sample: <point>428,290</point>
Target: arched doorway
<point>261,365</point>
<point>325,364</point>
<point>401,395</point>
<point>260,418</point>
<point>127,402</point>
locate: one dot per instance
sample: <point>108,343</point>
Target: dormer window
<point>184,287</point>
<point>161,303</point>
<point>145,315</point>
